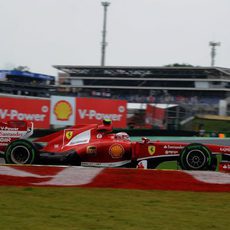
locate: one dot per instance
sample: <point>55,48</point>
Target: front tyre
<point>20,152</point>
<point>196,157</point>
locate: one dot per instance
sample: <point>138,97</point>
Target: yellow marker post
<point>221,135</point>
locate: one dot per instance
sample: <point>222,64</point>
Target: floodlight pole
<point>213,51</point>
<point>104,43</point>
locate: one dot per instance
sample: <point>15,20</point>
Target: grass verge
<point>77,208</point>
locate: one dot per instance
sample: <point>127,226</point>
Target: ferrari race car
<point>96,145</point>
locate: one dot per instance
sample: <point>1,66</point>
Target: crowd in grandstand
<point>44,86</point>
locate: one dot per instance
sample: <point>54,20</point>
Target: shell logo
<point>116,151</point>
<point>63,110</point>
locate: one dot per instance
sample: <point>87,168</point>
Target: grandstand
<point>197,89</point>
<point>26,83</point>
<point>182,91</point>
<point>203,87</point>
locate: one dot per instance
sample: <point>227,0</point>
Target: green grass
<point>77,208</point>
<point>209,125</point>
<point>168,165</point>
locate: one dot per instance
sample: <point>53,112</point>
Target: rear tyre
<point>196,157</point>
<point>21,152</point>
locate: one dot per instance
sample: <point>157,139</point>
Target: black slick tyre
<point>195,157</point>
<point>20,152</point>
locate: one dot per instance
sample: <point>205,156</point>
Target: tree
<point>22,68</point>
<point>179,65</point>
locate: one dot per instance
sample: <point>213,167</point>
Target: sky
<point>42,33</point>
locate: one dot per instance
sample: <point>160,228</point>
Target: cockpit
<point>122,136</point>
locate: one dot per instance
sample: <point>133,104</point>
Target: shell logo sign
<point>73,111</point>
<point>63,110</point>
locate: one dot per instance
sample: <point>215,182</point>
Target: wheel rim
<point>196,159</point>
<point>20,155</point>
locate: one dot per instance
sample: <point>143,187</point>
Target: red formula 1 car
<point>96,145</point>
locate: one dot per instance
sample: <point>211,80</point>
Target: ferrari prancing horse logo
<point>151,149</point>
<point>69,134</point>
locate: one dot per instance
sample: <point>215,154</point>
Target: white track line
<point>8,171</point>
<point>210,177</point>
<point>73,176</point>
<point>66,177</point>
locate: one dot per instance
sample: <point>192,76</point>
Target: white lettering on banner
<point>3,113</point>
<point>82,113</point>
<point>16,115</point>
<point>92,114</point>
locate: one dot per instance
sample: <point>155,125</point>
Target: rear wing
<point>13,130</point>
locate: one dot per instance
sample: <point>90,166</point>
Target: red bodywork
<point>96,145</point>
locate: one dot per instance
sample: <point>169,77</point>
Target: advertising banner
<point>25,109</point>
<point>155,117</point>
<point>93,110</point>
<point>63,110</point>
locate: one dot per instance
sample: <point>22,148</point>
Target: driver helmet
<point>122,136</point>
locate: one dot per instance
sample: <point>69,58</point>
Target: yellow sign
<point>63,110</point>
<point>151,149</point>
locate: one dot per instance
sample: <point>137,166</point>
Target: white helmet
<point>122,136</point>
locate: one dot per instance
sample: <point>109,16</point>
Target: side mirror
<point>145,139</point>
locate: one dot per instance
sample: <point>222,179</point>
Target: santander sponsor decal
<point>34,110</point>
<point>92,110</point>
